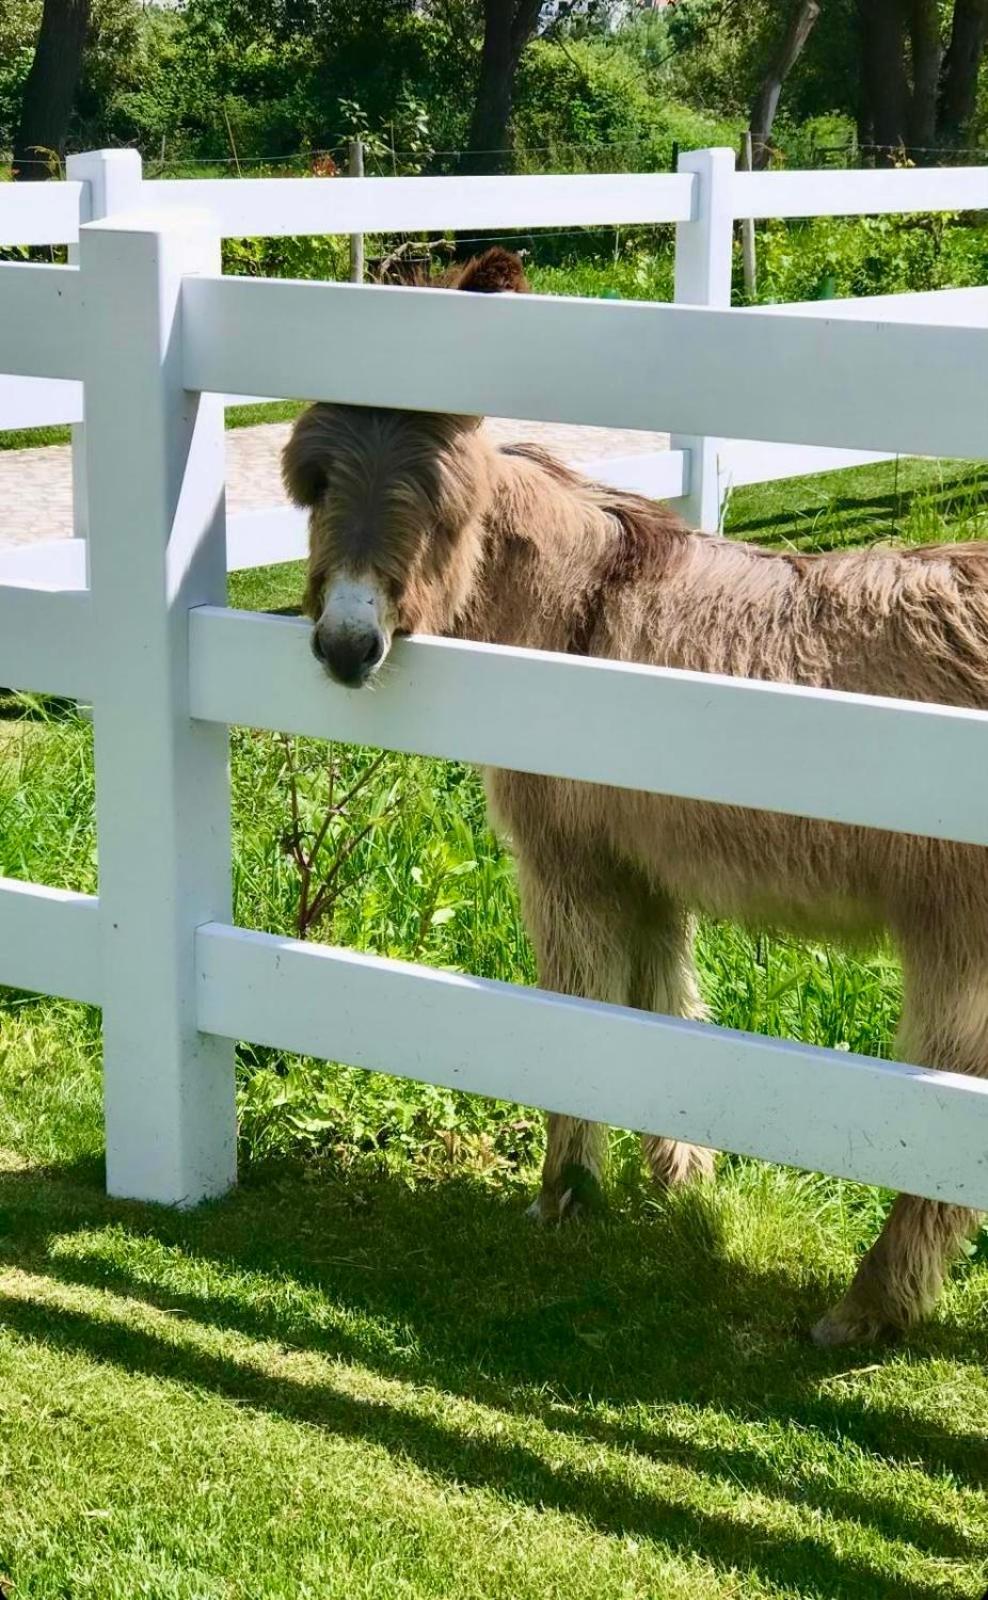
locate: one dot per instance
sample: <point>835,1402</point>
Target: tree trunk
<point>801,23</point>
<point>49,92</point>
<point>508,26</point>
<point>924,38</point>
<point>884,85</point>
<point>959,85</point>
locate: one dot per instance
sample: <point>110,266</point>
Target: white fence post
<point>154,455</point>
<point>113,185</point>
<point>704,249</point>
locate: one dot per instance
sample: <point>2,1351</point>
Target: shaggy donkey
<point>419,525</point>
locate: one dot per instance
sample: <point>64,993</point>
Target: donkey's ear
<point>305,459</point>
<point>497,271</point>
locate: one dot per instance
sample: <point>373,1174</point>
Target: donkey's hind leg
<point>944,1024</point>
<point>664,980</point>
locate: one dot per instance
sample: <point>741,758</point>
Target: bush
<point>587,105</point>
<point>868,255</point>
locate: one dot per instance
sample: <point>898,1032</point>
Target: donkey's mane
<point>647,530</point>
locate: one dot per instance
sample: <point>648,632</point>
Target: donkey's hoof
<point>579,1194</point>
<point>848,1323</point>
<point>547,1209</point>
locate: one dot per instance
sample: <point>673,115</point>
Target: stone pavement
<point>36,485</point>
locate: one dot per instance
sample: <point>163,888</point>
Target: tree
<point>959,83</point>
<point>802,20</point>
<point>914,94</point>
<point>508,27</point>
<point>885,90</point>
<point>50,90</point>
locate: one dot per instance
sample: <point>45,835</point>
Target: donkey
<point>418,524</point>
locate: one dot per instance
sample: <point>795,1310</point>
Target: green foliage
<point>868,255</point>
<point>718,51</point>
<point>581,104</point>
<point>278,80</point>
<point>640,272</point>
<point>408,132</point>
<point>306,256</point>
<point>19,23</point>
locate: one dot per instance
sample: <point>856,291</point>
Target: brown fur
<point>511,547</point>
<point>497,271</point>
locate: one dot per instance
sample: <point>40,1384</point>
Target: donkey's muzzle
<point>350,655</point>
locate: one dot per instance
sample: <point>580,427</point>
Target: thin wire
<point>600,145</point>
<point>921,149</point>
<point>229,161</point>
<point>544,233</point>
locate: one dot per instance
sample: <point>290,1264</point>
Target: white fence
<point>157,336</point>
<point>703,199</point>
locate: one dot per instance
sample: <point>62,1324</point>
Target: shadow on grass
<point>450,1287</point>
<point>828,519</point>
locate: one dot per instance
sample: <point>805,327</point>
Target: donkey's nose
<point>349,655</point>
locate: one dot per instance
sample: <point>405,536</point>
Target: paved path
<point>36,485</point>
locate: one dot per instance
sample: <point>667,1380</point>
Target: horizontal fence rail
<point>49,214</point>
<point>38,402</point>
<point>848,1115</point>
<point>728,740</point>
<point>662,475</point>
<point>41,325</point>
<point>844,194</point>
<point>44,564</point>
<point>46,640</point>
<point>743,461</point>
<point>383,205</point>
<point>50,941</point>
<point>583,361</point>
<point>40,213</point>
<point>946,308</point>
<point>260,538</point>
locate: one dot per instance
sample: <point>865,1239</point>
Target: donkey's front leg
<point>664,980</point>
<point>583,933</point>
<point>574,1159</point>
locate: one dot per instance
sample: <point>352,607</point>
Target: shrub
<point>586,104</point>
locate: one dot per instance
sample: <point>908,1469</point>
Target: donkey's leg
<point>664,980</point>
<point>582,916</point>
<point>944,1024</point>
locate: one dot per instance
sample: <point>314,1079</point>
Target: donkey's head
<point>396,501</point>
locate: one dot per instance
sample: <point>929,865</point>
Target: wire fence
<point>645,153</point>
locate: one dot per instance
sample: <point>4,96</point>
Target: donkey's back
<point>911,624</point>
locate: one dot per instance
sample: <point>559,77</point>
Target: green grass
<point>909,502</point>
<point>366,1374</point>
<point>236,417</point>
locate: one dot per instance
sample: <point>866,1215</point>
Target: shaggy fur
<point>511,547</point>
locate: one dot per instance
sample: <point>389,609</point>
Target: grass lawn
<point>366,1374</point>
<point>236,417</point>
